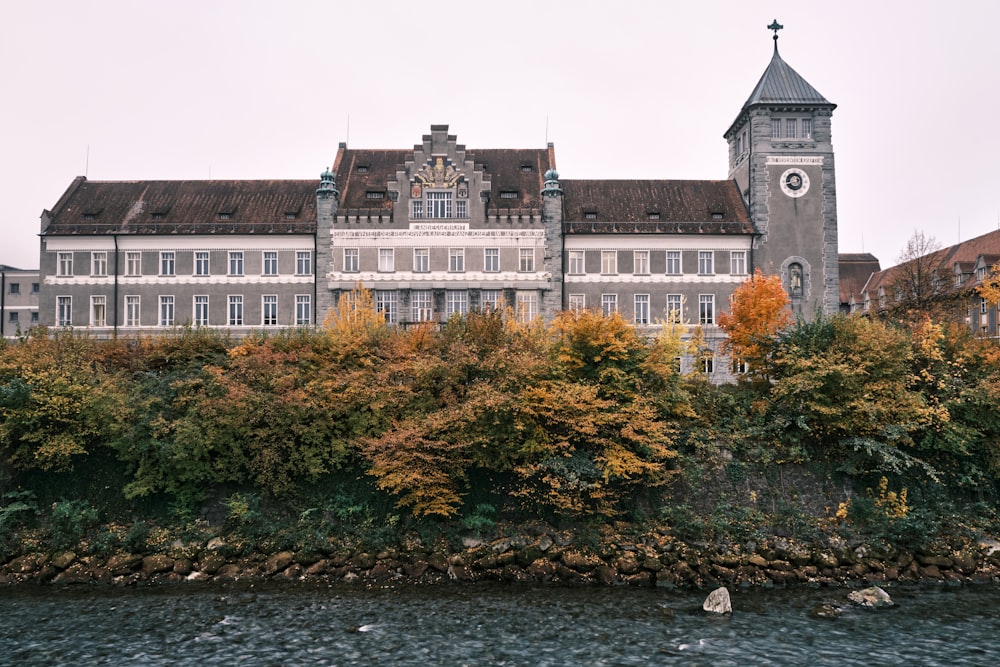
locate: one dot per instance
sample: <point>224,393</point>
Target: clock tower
<point>781,158</point>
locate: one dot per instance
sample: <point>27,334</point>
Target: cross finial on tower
<point>775,26</point>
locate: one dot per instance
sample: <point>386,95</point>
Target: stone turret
<point>327,203</point>
<point>552,216</point>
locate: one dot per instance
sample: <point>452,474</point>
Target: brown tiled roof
<point>855,270</point>
<point>681,207</point>
<point>943,261</point>
<point>360,171</point>
<point>188,207</point>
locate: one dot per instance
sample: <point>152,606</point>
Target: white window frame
<point>525,260</point>
<point>456,301</point>
<point>98,310</point>
<point>99,263</point>
<point>201,263</point>
<point>439,204</point>
<point>269,310</point>
<point>577,262</point>
<point>675,308</point>
<point>706,262</point>
<point>133,263</point>
<point>421,260</point>
<point>303,310</point>
<point>640,262</point>
<point>166,312</point>
<point>807,128</point>
<point>577,302</point>
<point>526,302</point>
<point>269,263</point>
<point>64,311</point>
<point>738,262</point>
<point>490,299</point>
<point>235,310</point>
<point>609,304</point>
<point>641,311</point>
<point>199,310</point>
<point>236,262</point>
<point>421,305</point>
<point>491,260</point>
<point>609,262</point>
<point>706,309</point>
<point>386,260</point>
<point>387,303</point>
<point>133,310</point>
<point>456,260</point>
<point>303,263</point>
<point>461,208</point>
<point>675,263</point>
<point>168,263</point>
<point>417,209</point>
<point>65,264</point>
<point>352,260</point>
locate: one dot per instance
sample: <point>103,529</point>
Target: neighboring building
<point>19,291</point>
<point>855,271</point>
<point>441,229</point>
<point>942,283</point>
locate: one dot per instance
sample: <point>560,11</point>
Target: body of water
<point>340,625</point>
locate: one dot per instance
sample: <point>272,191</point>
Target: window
<point>983,306</point>
<point>385,303</point>
<point>270,263</point>
<point>236,310</point>
<point>438,204</point>
<point>269,310</point>
<point>98,263</point>
<point>674,262</point>
<point>12,318</point>
<point>640,262</point>
<point>527,305</point>
<point>462,208</point>
<point>166,263</point>
<point>609,304</point>
<point>489,299</point>
<point>508,194</point>
<point>417,209</point>
<point>775,128</point>
<point>421,260</point>
<point>374,194</point>
<point>738,262</point>
<point>807,128</point>
<point>132,310</point>
<point>526,260</point>
<point>791,128</point>
<point>200,311</point>
<point>706,309</point>
<point>675,308</point>
<point>201,263</point>
<point>166,311</point>
<point>708,365</point>
<point>386,259</point>
<point>456,259</point>
<point>739,367</point>
<point>303,263</point>
<point>641,309</point>
<point>654,216</point>
<point>303,309</point>
<point>350,260</point>
<point>577,302</point>
<point>421,305</point>
<point>236,263</point>
<point>98,311</point>
<point>456,301</point>
<point>609,262</point>
<point>491,260</point>
<point>133,263</point>
<point>65,264</point>
<point>34,288</point>
<point>590,215</point>
<point>15,288</point>
<point>64,311</point>
<point>576,262</point>
<point>34,317</point>
<point>706,262</point>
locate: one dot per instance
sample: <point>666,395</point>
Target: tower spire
<point>775,26</point>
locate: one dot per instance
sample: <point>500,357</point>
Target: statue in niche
<point>795,280</point>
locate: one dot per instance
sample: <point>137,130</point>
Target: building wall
<point>20,292</point>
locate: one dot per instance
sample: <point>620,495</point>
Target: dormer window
<point>225,216</point>
<point>526,169</point>
<point>362,169</point>
<point>590,215</point>
<point>159,216</point>
<point>89,216</point>
<point>508,194</point>
<point>654,215</point>
<point>291,215</point>
<point>374,194</point>
<point>717,215</point>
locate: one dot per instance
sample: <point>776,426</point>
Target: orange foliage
<point>759,310</point>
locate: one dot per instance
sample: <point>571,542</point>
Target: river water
<point>341,624</point>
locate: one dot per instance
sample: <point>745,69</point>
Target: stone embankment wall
<point>553,556</point>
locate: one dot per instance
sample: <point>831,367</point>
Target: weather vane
<point>775,26</point>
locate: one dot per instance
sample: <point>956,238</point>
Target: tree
<point>758,312</point>
<point>989,288</point>
<point>913,286</point>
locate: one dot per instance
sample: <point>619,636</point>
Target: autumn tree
<point>758,312</point>
<point>989,287</point>
<point>914,287</point>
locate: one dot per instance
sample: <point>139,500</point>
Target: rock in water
<point>872,597</point>
<point>718,602</point>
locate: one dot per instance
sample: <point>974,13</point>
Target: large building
<point>19,290</point>
<point>440,229</point>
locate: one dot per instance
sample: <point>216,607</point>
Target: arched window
<point>795,279</point>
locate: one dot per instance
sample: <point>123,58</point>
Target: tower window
<point>791,128</point>
<point>807,128</point>
<point>775,128</point>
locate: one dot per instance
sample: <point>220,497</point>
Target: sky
<point>254,89</point>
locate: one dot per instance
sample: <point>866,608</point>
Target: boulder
<point>718,602</point>
<point>278,562</point>
<point>157,563</point>
<point>63,559</point>
<point>123,563</point>
<point>872,597</point>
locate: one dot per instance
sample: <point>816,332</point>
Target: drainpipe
<point>114,309</point>
<point>315,267</point>
<point>3,300</point>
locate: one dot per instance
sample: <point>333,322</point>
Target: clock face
<point>794,182</point>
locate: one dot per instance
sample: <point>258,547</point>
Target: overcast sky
<point>254,89</point>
